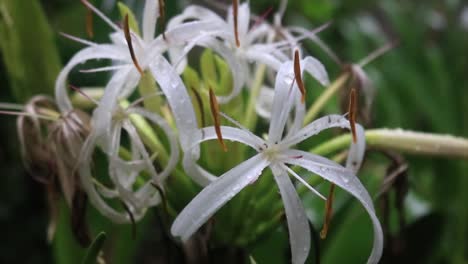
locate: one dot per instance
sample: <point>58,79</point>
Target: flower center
<point>271,152</point>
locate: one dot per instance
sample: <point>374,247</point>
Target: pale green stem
<point>404,141</point>
<point>318,105</point>
<point>250,114</point>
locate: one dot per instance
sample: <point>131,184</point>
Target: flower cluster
<point>133,138</point>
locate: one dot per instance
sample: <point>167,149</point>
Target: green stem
<point>318,105</point>
<point>250,114</point>
<point>404,141</point>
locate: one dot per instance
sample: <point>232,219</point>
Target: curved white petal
<point>90,53</point>
<point>265,102</point>
<point>238,73</point>
<point>195,12</point>
<point>88,184</point>
<point>315,68</point>
<point>283,102</point>
<point>262,55</point>
<point>102,115</point>
<point>150,15</point>
<point>178,99</point>
<point>298,225</point>
<point>215,195</point>
<point>316,127</point>
<point>173,143</point>
<point>203,177</point>
<point>357,150</point>
<point>345,179</point>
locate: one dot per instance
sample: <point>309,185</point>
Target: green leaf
<point>132,22</point>
<point>28,48</point>
<point>94,249</point>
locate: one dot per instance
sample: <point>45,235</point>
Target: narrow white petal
<point>90,53</point>
<point>345,179</point>
<point>178,99</point>
<point>173,143</point>
<point>86,177</point>
<point>238,72</point>
<point>283,102</point>
<point>298,225</point>
<point>200,175</point>
<point>315,68</point>
<point>215,195</point>
<point>316,127</point>
<point>195,12</point>
<point>150,15</point>
<point>357,151</point>
<point>102,115</point>
<point>265,102</point>
<point>263,56</point>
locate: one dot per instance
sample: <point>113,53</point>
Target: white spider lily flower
<point>277,152</point>
<point>148,52</point>
<point>242,48</point>
<point>124,173</point>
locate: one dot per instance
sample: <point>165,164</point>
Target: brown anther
<point>162,13</point>
<point>352,113</point>
<point>215,112</point>
<point>298,75</point>
<point>128,38</point>
<point>200,105</point>
<point>328,212</point>
<point>89,21</point>
<point>235,11</point>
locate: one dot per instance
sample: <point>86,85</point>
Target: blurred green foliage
<point>422,84</point>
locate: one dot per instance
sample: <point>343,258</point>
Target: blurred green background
<point>422,84</point>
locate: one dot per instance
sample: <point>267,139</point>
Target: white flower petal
<point>315,68</point>
<point>195,12</point>
<point>203,177</point>
<point>86,177</point>
<point>316,127</point>
<point>150,15</point>
<point>173,143</point>
<point>265,102</point>
<point>178,99</point>
<point>356,152</point>
<point>238,72</point>
<point>215,195</point>
<point>90,53</point>
<point>283,102</point>
<point>345,179</point>
<point>298,225</point>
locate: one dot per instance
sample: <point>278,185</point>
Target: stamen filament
<point>298,76</point>
<point>128,38</point>
<point>215,112</point>
<point>352,113</point>
<point>27,114</point>
<point>328,213</point>
<point>78,90</point>
<point>235,10</point>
